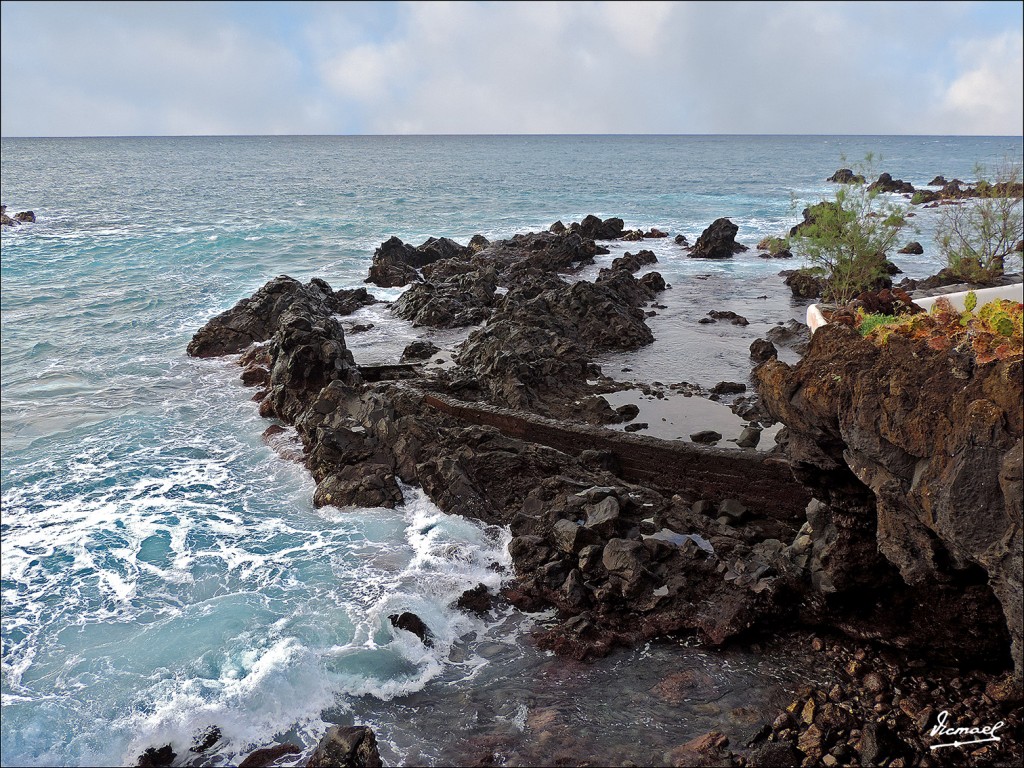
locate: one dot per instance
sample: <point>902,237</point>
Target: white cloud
<point>589,67</point>
<point>986,98</point>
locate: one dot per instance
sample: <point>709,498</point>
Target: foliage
<point>977,237</point>
<point>773,245</point>
<point>868,322</point>
<point>995,332</point>
<point>848,238</point>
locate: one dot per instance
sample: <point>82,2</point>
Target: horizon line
<point>514,135</point>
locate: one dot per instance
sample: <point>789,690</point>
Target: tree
<point>846,239</point>
<point>978,236</point>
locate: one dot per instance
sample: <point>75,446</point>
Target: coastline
<point>611,599</point>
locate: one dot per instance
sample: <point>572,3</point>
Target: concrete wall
<point>760,481</point>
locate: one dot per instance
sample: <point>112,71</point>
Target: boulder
<point>718,241</point>
<point>157,757</point>
<point>410,622</point>
<point>846,176</point>
<point>912,247</point>
<point>886,183</point>
<point>25,217</point>
<point>269,755</point>
<point>761,350</point>
<point>707,436</point>
<point>420,350</point>
<point>595,229</point>
<point>476,600</point>
<point>352,746</point>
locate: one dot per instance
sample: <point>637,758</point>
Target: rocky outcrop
<point>634,262</point>
<point>846,176</point>
<point>23,217</point>
<point>454,301</point>
<point>912,247</point>
<point>718,241</point>
<point>915,464</point>
<point>594,228</point>
<point>886,183</point>
<point>258,317</point>
<point>352,746</point>
<point>395,263</point>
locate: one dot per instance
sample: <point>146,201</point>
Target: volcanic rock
<point>718,241</point>
<point>346,747</point>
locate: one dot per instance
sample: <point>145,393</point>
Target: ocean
<point>163,570</point>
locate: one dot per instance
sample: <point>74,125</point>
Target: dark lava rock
<point>395,263</point>
<point>205,739</point>
<point>269,755</point>
<point>452,301</point>
<point>761,350</point>
<point>775,754</point>
<point>855,413</point>
<point>718,241</point>
<point>477,600</point>
<point>846,176</point>
<point>593,228</point>
<point>654,233</point>
<point>636,426</point>
<point>558,228</point>
<point>653,282</point>
<point>804,283</point>
<point>886,183</point>
<point>681,240</point>
<point>728,388</point>
<point>412,623</point>
<point>25,217</point>
<point>361,485</point>
<point>792,334</point>
<point>728,315</point>
<point>157,758</point>
<point>749,437</point>
<point>346,747</point>
<point>913,247</point>
<point>781,253</point>
<point>477,243</point>
<point>628,412</point>
<point>707,436</point>
<point>258,317</point>
<point>938,181</point>
<point>420,350</point>
<point>634,261</point>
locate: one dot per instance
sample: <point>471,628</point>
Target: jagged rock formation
<point>718,241</point>
<point>914,458</point>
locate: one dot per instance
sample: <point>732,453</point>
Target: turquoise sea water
<point>162,568</point>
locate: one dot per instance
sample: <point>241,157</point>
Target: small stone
<point>706,437</point>
<point>874,682</point>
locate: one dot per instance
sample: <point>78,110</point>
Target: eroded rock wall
<point>914,458</point>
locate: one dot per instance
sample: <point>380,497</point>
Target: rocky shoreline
<point>855,525</point>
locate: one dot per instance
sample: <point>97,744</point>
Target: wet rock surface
<point>346,747</point>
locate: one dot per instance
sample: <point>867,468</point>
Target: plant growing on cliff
<point>994,332</point>
<point>978,237</point>
<point>846,239</point>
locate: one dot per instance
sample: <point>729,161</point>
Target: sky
<point>129,69</point>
